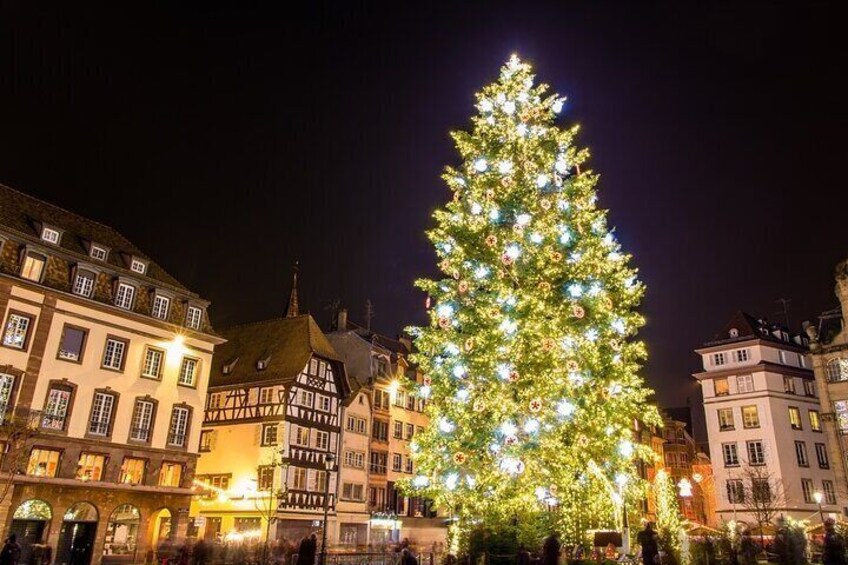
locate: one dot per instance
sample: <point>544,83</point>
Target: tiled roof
<point>19,213</point>
<point>284,344</point>
<point>749,327</point>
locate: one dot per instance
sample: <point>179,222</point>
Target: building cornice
<point>768,366</point>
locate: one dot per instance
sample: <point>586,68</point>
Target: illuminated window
<point>142,420</point>
<point>55,412</point>
<point>269,434</point>
<point>124,296</point>
<point>815,422</point>
<point>32,268</point>
<point>795,418</point>
<point>132,471</point>
<point>750,417</point>
<point>161,305</point>
<point>837,370</point>
<point>7,383</point>
<point>170,474</point>
<point>840,407</point>
<point>83,283</point>
<point>17,331</point>
<point>179,426</point>
<point>722,388</point>
<point>43,462</point>
<point>90,467</point>
<point>188,371</point>
<point>113,354</point>
<point>194,317</point>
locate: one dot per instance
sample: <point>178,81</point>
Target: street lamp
<point>817,496</point>
<point>329,463</point>
<point>621,480</point>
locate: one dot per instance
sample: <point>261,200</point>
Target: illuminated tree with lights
<point>530,362</point>
<point>670,522</point>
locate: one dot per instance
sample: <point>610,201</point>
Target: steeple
<point>291,310</point>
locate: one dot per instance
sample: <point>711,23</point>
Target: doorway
<point>76,538</point>
<point>30,523</point>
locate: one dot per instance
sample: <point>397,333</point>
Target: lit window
<point>72,344</point>
<point>194,317</point>
<point>170,474</point>
<point>160,307</point>
<point>322,440</point>
<point>17,331</point>
<point>137,266</point>
<point>50,235</point>
<point>113,354</point>
<point>142,420</point>
<point>840,407</point>
<point>132,471</point>
<point>795,418</point>
<point>98,253</point>
<point>33,266</point>
<point>750,417</point>
<point>152,367</point>
<point>83,283</point>
<point>7,383</point>
<point>101,414</point>
<point>124,296</point>
<point>837,370</point>
<point>90,467</point>
<point>56,411</point>
<point>43,462</point>
<point>815,422</point>
<point>179,427</point>
<point>269,434</point>
<point>299,482</point>
<point>722,388</point>
<point>188,371</point>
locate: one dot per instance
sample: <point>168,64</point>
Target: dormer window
<point>83,283</point>
<point>262,364</point>
<point>194,317</point>
<point>50,235</point>
<point>161,306</point>
<point>734,332</point>
<point>228,367</point>
<point>124,296</point>
<point>32,267</point>
<point>98,253</point>
<point>138,266</point>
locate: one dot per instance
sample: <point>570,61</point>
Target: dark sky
<point>229,141</point>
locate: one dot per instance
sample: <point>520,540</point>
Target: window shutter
<point>213,439</point>
<point>257,434</point>
<point>311,480</point>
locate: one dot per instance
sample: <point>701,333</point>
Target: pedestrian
<point>834,545</point>
<point>649,541</point>
<point>523,556</point>
<point>201,552</point>
<point>11,552</point>
<point>550,550</point>
<point>306,551</point>
<point>407,557</point>
<point>781,542</point>
<point>747,549</point>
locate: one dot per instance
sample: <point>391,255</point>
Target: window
<point>783,357</point>
<point>7,383</point>
<point>734,333</point>
<point>829,492</point>
<point>170,475</point>
<point>137,266</point>
<point>750,417</point>
<point>735,491</point>
<point>83,283</point>
<point>90,466</point>
<point>380,430</point>
<point>266,395</point>
<point>400,398</point>
<point>381,399</point>
<point>269,434</point>
<point>216,400</point>
<point>837,370</point>
<point>132,470</point>
<point>722,388</point>
<point>194,316</point>
<point>299,477</point>
<point>17,331</point>
<point>840,407</point>
<point>322,440</point>
<point>352,491</point>
<point>161,305</point>
<point>725,419</point>
<point>397,462</point>
<point>398,433</point>
<point>56,411</point>
<point>98,253</point>
<point>795,418</point>
<point>72,343</point>
<point>802,361</point>
<point>741,355</point>
<point>320,481</point>
<point>153,362</point>
<point>789,385</point>
<point>324,403</point>
<point>113,354</point>
<point>301,436</point>
<point>756,453</point>
<point>49,235</point>
<point>745,383</point>
<point>179,426</point>
<point>188,371</point>
<point>810,388</point>
<point>43,462</point>
<point>219,484</point>
<point>407,465</point>
<point>760,490</point>
<point>243,525</point>
<point>801,454</point>
<point>378,462</point>
<point>354,424</point>
<point>207,440</point>
<point>142,420</point>
<point>807,488</point>
<point>355,459</point>
<point>410,431</point>
<point>265,478</point>
<point>731,456</point>
<point>815,422</point>
<point>99,424</point>
<point>32,268</point>
<point>410,402</point>
<point>719,359</point>
<point>821,456</point>
<point>306,398</point>
<point>124,296</point>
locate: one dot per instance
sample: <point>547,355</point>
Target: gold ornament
<point>444,323</point>
<point>469,344</point>
<point>506,182</point>
<point>577,311</point>
<point>615,345</point>
<point>491,240</point>
<point>478,405</point>
<point>444,265</point>
<point>462,287</point>
<point>456,196</point>
<point>582,440</point>
<point>572,365</point>
<point>426,380</point>
<point>518,229</point>
<point>545,286</point>
<point>455,274</point>
<point>557,256</point>
<point>459,458</point>
<point>506,259</point>
<point>514,376</point>
<point>608,302</point>
<point>545,204</point>
<point>548,344</point>
<point>490,194</point>
<point>494,313</point>
<point>553,489</point>
<point>535,405</point>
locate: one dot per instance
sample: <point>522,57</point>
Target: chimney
<point>341,321</point>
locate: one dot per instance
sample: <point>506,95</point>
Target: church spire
<point>291,310</point>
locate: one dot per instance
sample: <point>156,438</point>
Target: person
<point>402,545</point>
<point>11,552</point>
<point>781,542</point>
<point>306,551</point>
<point>647,538</point>
<point>523,556</point>
<point>550,550</point>
<point>747,549</point>
<point>833,552</point>
<point>407,557</point>
<point>200,552</point>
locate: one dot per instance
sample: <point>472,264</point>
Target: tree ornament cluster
<point>532,323</point>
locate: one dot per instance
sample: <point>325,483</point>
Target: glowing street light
<point>817,496</point>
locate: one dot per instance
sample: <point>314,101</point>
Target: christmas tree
<point>530,360</point>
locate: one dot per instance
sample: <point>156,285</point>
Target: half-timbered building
<point>272,417</point>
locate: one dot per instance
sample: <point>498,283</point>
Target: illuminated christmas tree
<point>530,362</point>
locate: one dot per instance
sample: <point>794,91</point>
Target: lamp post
<point>329,463</point>
<point>817,496</point>
<point>621,480</point>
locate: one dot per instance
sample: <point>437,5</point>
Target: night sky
<point>228,142</point>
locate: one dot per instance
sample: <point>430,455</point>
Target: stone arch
<point>122,531</point>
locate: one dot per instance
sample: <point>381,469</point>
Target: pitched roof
<point>748,327</point>
<point>21,212</point>
<point>355,351</point>
<point>285,344</point>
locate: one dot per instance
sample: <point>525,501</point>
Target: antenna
<point>369,313</point>
<point>784,302</point>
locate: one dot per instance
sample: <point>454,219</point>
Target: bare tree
<point>271,488</point>
<point>760,493</point>
<point>17,431</point>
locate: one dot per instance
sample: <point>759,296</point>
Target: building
<point>829,360</point>
<point>764,424</point>
<point>381,364</point>
<point>686,465</point>
<point>649,436</point>
<point>104,365</point>
<point>275,398</point>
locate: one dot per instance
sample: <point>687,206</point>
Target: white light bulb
<point>512,466</point>
<point>451,480</point>
<point>508,326</point>
<point>486,105</point>
<point>561,165</point>
<point>523,219</point>
<point>509,107</point>
<point>504,371</point>
<point>476,209</point>
<point>592,335</point>
<point>541,493</point>
<point>452,349</point>
<point>565,408</point>
<point>614,256</point>
<point>630,282</point>
<point>521,130</point>
<point>509,429</point>
<point>536,237</point>
<point>542,181</point>
<point>420,481</point>
<point>444,311</point>
<point>626,449</point>
<point>424,391</point>
<point>505,167</point>
<point>528,83</point>
<point>523,97</point>
<point>595,289</point>
<point>446,426</point>
<point>490,120</point>
<point>565,237</point>
<point>459,371</point>
<point>501,97</point>
<point>495,447</point>
<point>531,426</point>
<point>562,205</point>
<point>470,481</point>
<point>481,164</point>
<point>615,389</point>
<point>609,239</point>
<point>460,181</point>
<point>513,251</point>
<point>575,290</point>
<point>619,326</point>
<point>557,106</point>
<point>575,257</point>
<point>462,394</point>
<point>494,214</point>
<point>481,272</point>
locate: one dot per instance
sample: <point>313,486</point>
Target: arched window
<point>81,512</point>
<point>122,531</point>
<point>7,383</point>
<point>33,509</point>
<point>734,332</point>
<point>837,370</point>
